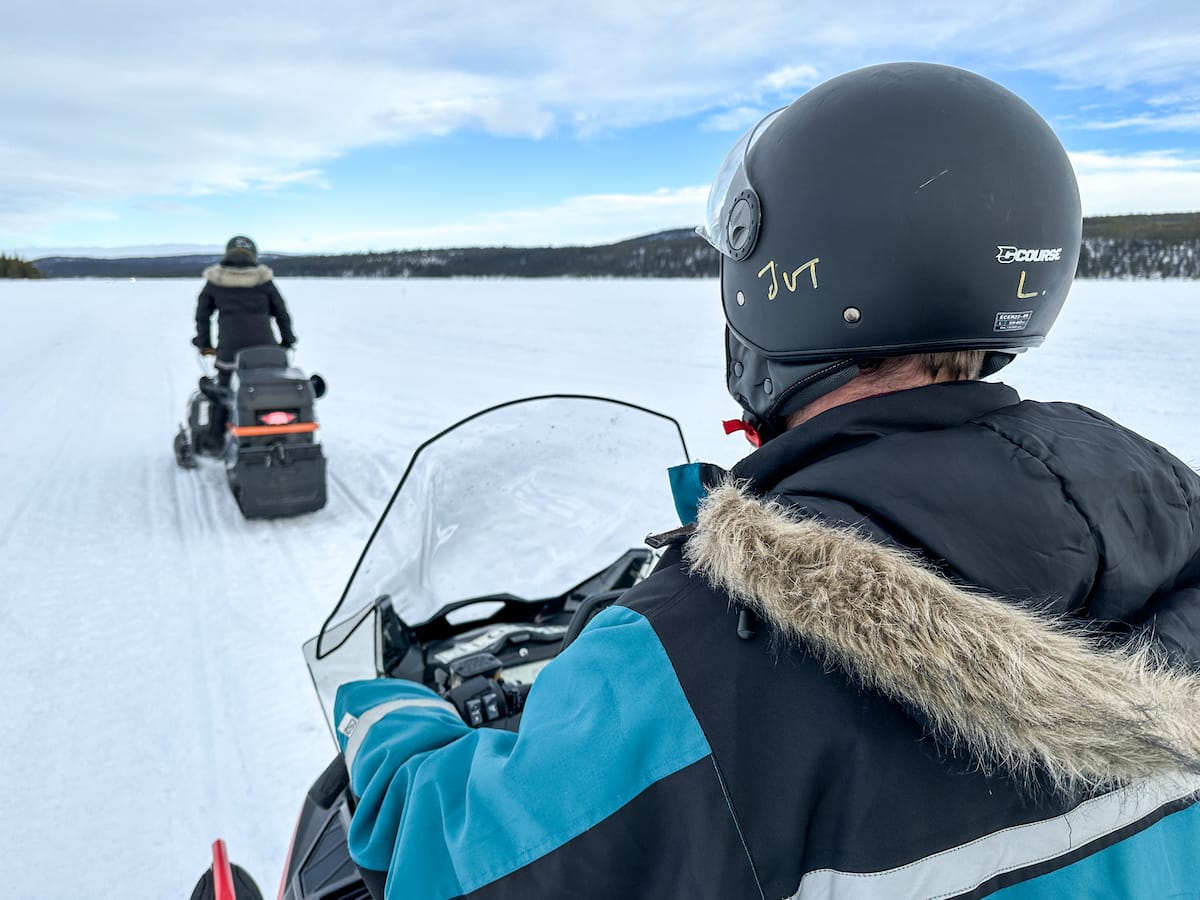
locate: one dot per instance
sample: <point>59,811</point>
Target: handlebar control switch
<point>479,700</point>
<point>474,712</point>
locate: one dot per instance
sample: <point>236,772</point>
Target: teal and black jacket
<point>938,643</point>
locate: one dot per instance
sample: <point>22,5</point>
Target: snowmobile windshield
<point>527,499</point>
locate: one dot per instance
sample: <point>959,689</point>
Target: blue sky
<point>316,127</point>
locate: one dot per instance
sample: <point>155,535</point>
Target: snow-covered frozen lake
<point>153,690</point>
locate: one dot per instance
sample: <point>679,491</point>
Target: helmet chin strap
<point>770,390</point>
<point>995,361</point>
<point>828,377</point>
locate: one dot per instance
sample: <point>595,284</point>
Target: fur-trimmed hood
<point>238,276</point>
<point>1021,692</point>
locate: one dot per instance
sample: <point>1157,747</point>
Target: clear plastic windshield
<point>529,499</point>
<point>731,181</point>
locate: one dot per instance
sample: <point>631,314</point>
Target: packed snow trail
<point>154,689</point>
<point>152,634</point>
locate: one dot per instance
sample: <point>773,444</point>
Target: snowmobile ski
<point>185,452</point>
<point>225,880</point>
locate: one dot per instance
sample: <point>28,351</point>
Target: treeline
<point>1161,246</point>
<point>669,254</point>
<point>1106,257</point>
<point>129,267</point>
<point>1158,246</point>
<point>673,254</point>
<point>15,267</point>
<point>1168,227</point>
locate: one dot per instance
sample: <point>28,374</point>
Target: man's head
<point>240,251</point>
<point>900,209</point>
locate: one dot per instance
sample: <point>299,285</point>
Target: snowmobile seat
<point>264,380</point>
<point>266,356</point>
<point>270,400</point>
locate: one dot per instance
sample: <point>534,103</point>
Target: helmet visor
<point>732,218</point>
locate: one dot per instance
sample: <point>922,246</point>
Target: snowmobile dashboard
<point>485,663</point>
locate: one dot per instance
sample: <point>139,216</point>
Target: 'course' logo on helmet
<point>1016,254</point>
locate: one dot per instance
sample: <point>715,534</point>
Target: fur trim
<point>238,276</point>
<point>1021,693</point>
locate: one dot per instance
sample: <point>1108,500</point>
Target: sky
<point>373,125</point>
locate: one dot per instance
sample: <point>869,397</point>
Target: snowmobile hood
<point>238,276</point>
<point>1022,692</point>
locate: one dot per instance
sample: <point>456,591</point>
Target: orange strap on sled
<point>260,430</point>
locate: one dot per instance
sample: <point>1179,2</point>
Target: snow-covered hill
<point>154,692</point>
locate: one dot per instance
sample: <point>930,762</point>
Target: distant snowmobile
<point>455,589</point>
<point>274,464</point>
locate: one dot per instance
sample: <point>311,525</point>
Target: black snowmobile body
<point>466,663</point>
<point>441,539</point>
<point>274,465</point>
<point>521,634</point>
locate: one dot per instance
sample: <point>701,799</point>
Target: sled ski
<point>185,451</point>
<point>225,880</point>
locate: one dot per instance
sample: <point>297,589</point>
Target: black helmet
<point>895,209</point>
<point>240,251</point>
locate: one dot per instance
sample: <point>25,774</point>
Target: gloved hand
<point>207,351</point>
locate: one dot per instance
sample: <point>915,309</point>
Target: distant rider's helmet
<point>895,209</point>
<point>240,251</point>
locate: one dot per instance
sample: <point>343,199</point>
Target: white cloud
<point>738,120</point>
<point>277,180</point>
<point>1144,182</point>
<point>1190,98</point>
<point>790,78</point>
<point>582,220</point>
<point>1180,121</point>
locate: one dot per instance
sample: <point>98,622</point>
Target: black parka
<point>245,300</point>
<point>1051,505</point>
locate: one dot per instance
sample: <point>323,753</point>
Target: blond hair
<point>953,365</point>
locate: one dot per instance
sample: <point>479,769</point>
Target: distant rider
<point>242,293</point>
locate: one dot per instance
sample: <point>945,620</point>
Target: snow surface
<point>153,689</point>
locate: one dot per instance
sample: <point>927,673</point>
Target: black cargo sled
<point>272,459</point>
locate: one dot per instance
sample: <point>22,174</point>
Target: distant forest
<point>1163,246</point>
<point>15,267</point>
<point>1143,246</point>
